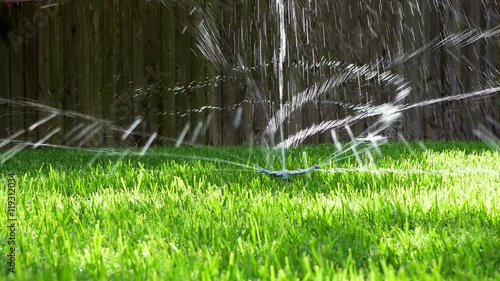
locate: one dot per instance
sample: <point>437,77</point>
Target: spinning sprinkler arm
<point>285,174</point>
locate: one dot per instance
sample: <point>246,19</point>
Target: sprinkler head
<point>285,174</point>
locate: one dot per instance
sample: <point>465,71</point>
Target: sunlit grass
<point>162,218</point>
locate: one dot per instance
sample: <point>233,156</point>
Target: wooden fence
<point>117,60</point>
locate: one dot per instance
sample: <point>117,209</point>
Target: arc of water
<point>15,135</point>
<point>394,111</point>
<point>48,136</point>
<point>42,121</point>
<point>13,151</point>
<point>72,136</point>
<point>136,123</point>
<point>483,92</point>
<point>350,72</point>
<point>372,136</point>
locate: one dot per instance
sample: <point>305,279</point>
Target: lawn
<point>87,216</point>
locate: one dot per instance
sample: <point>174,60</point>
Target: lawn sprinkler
<point>285,174</point>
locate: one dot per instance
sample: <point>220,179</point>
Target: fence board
<point>248,33</point>
<point>215,98</point>
<point>84,89</point>
<point>378,48</point>
<point>109,66</point>
<point>489,61</point>
<point>70,49</point>
<point>182,71</point>
<point>395,20</point>
<point>31,71</point>
<point>471,114</point>
<point>167,74</point>
<point>432,72</point>
<point>358,40</point>
<point>413,24</point>
<point>5,114</point>
<point>82,93</point>
<point>96,52</point>
<point>56,74</point>
<point>17,74</point>
<point>198,94</point>
<point>230,92</point>
<point>494,56</point>
<point>124,71</point>
<point>43,71</point>
<point>138,70</point>
<point>452,72</point>
<point>198,98</point>
<point>152,65</point>
<point>214,95</point>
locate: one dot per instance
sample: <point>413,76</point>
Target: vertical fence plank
<point>31,71</point>
<point>432,73</point>
<point>377,49</point>
<point>247,33</point>
<point>70,49</point>
<point>258,77</point>
<point>167,72</point>
<point>138,70</point>
<point>494,51</point>
<point>230,91</point>
<point>328,109</point>
<point>124,66</point>
<point>215,100</point>
<point>5,114</point>
<point>198,98</point>
<point>84,94</point>
<point>152,66</point>
<point>357,40</point>
<point>17,69</point>
<point>472,69</point>
<point>215,91</point>
<point>268,75</point>
<point>110,52</point>
<point>42,21</point>
<point>95,59</point>
<point>292,73</point>
<point>342,93</point>
<point>413,23</point>
<point>182,64</point>
<point>56,74</point>
<point>396,39</point>
<point>490,18</point>
<point>451,61</point>
<point>240,54</point>
<point>198,95</point>
<point>270,52</point>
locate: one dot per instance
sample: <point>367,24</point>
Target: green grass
<point>158,218</point>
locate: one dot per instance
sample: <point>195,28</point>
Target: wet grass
<point>161,218</point>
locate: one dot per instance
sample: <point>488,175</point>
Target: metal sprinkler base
<point>285,174</point>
